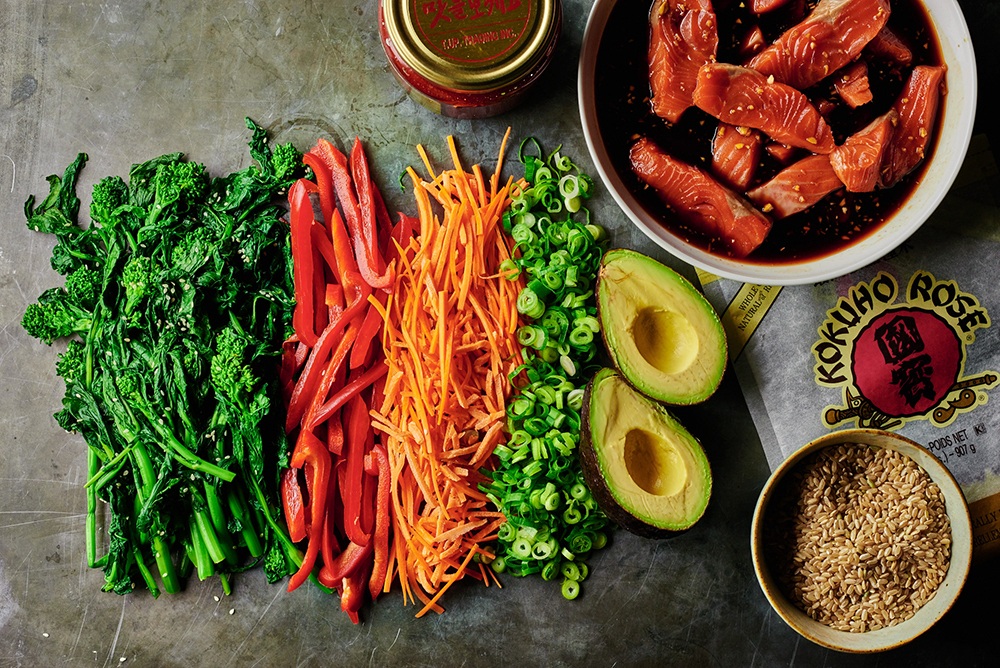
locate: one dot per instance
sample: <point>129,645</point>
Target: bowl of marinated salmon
<point>777,142</point>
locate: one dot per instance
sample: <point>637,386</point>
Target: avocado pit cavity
<point>654,463</point>
<point>665,339</point>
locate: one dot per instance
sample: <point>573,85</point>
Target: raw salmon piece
<point>852,85</point>
<point>830,37</point>
<point>917,107</point>
<point>764,6</point>
<point>741,96</point>
<point>858,160</point>
<point>783,153</point>
<point>735,155</point>
<point>753,42</point>
<point>683,36</point>
<point>700,201</point>
<point>889,46</point>
<point>796,188</point>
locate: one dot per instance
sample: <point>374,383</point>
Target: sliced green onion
<point>570,589</point>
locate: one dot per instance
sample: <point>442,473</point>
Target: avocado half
<point>661,333</point>
<point>644,469</point>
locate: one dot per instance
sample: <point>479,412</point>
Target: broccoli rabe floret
<point>139,277</point>
<point>72,364</point>
<point>177,185</point>
<point>193,249</point>
<point>231,376</point>
<point>54,316</point>
<point>108,195</point>
<point>275,564</point>
<point>286,160</point>
<point>84,287</point>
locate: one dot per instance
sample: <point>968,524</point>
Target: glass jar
<point>469,58</point>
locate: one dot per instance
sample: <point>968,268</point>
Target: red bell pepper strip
<point>291,501</point>
<point>358,428</point>
<point>305,386</point>
<point>352,592</point>
<point>332,158</point>
<point>368,210</point>
<point>305,393</point>
<point>369,332</point>
<point>288,367</point>
<point>365,241</point>
<point>326,250</point>
<point>335,434</point>
<point>345,564</point>
<point>330,548</point>
<point>321,317</point>
<point>324,184</point>
<point>301,220</point>
<point>384,223</point>
<point>330,373</point>
<point>353,387</point>
<point>310,452</point>
<point>380,466</point>
<point>369,484</point>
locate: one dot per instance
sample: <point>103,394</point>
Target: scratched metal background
<point>125,81</point>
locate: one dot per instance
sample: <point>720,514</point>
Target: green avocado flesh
<point>661,333</point>
<point>646,471</point>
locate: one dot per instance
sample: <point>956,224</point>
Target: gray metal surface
<point>126,81</point>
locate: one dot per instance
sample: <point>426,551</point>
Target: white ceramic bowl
<point>956,130</point>
<point>930,612</point>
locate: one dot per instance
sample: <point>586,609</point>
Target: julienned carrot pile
<point>451,342</point>
<point>333,371</point>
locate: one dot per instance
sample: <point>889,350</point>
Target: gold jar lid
<point>471,45</point>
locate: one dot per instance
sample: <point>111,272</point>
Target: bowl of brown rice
<point>861,540</point>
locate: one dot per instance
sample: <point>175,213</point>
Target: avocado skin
<point>598,484</point>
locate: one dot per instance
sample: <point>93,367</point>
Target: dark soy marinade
<point>621,89</point>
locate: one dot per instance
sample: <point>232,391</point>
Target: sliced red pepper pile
<point>336,489</point>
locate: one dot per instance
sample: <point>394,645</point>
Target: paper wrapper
<point>907,344</point>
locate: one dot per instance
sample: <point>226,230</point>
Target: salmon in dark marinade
<point>735,155</point>
<point>858,160</point>
<point>741,96</point>
<point>797,187</point>
<point>701,202</point>
<point>683,36</point>
<point>833,35</point>
<point>917,107</point>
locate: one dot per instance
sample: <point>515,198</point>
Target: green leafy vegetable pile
<point>178,296</point>
<point>553,523</point>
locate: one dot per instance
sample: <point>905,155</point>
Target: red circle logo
<point>906,361</point>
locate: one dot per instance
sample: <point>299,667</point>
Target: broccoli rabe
<point>108,211</point>
<point>177,185</point>
<point>54,316</point>
<point>108,195</point>
<point>83,286</point>
<point>180,292</point>
<point>72,364</point>
<point>139,278</point>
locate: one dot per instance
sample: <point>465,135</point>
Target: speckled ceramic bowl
<point>957,115</point>
<point>926,616</point>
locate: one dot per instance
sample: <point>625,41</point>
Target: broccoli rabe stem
<point>248,530</point>
<point>144,488</point>
<point>197,552</point>
<point>93,466</point>
<point>144,571</point>
<point>185,456</point>
<point>217,523</point>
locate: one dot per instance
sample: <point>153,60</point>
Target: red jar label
<point>473,31</point>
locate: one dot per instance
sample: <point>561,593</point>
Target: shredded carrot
<point>450,342</point>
